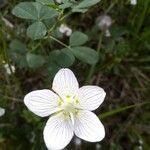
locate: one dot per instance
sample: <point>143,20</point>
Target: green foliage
<point>36,31</point>
<point>17,51</point>
<point>84,5</point>
<point>37,12</point>
<point>46,2</point>
<point>17,47</point>
<point>35,61</point>
<point>86,54</point>
<point>87,3</point>
<point>78,38</point>
<point>34,11</point>
<point>63,58</point>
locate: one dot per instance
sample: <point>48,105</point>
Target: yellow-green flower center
<point>68,105</point>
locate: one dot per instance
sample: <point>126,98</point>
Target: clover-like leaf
<point>85,54</point>
<point>34,60</point>
<point>33,11</point>
<point>36,31</point>
<point>63,58</point>
<point>78,38</point>
<point>87,3</point>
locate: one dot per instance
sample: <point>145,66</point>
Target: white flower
<point>140,142</point>
<point>107,33</point>
<point>77,141</point>
<point>133,2</point>
<point>104,22</point>
<point>65,30</point>
<point>71,107</point>
<point>98,146</point>
<point>8,70</point>
<point>2,111</point>
<point>140,147</point>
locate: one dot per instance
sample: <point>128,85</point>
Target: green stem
<point>92,69</point>
<point>111,6</point>
<point>116,111</point>
<point>65,16</point>
<point>142,17</point>
<point>58,41</point>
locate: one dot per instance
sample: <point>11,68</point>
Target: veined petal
<point>88,127</point>
<point>58,132</point>
<point>90,97</point>
<point>42,102</point>
<point>65,83</point>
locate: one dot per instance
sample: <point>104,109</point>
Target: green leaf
<point>63,58</point>
<point>66,5</point>
<point>35,61</point>
<point>17,47</point>
<point>36,31</point>
<point>16,52</point>
<point>18,59</point>
<point>78,38</point>
<point>79,10</point>
<point>34,11</point>
<point>87,3</point>
<point>86,54</point>
<point>25,10</point>
<point>46,2</point>
<point>52,69</point>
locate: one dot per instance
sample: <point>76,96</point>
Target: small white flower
<point>107,33</point>
<point>65,30</point>
<point>71,107</point>
<point>2,111</point>
<point>77,141</point>
<point>140,147</point>
<point>133,2</point>
<point>140,142</point>
<point>8,70</point>
<point>104,22</point>
<point>98,146</point>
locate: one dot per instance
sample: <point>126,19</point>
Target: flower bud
<point>98,146</point>
<point>65,30</point>
<point>104,22</point>
<point>10,69</point>
<point>133,2</point>
<point>77,142</point>
<point>2,111</point>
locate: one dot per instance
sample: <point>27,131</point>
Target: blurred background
<point>110,45</point>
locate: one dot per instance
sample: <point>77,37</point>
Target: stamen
<point>68,96</point>
<point>76,101</point>
<point>72,118</point>
<point>60,102</point>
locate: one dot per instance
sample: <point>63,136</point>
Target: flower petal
<point>58,132</point>
<point>88,127</point>
<point>90,97</point>
<point>42,102</point>
<point>65,83</point>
